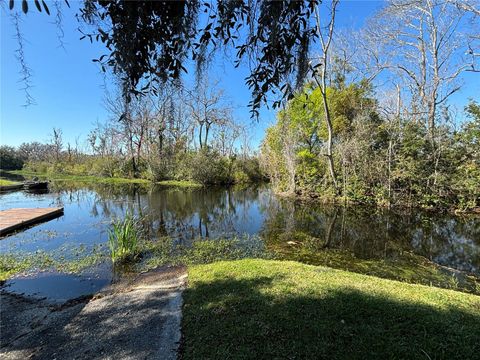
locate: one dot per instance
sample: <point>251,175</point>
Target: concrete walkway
<point>137,320</point>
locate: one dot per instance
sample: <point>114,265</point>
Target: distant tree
<point>34,151</point>
<point>10,158</point>
<point>320,77</point>
<point>208,109</point>
<point>56,142</point>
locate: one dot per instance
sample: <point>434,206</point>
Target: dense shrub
<point>208,167</point>
<point>204,166</point>
<point>10,159</point>
<point>247,170</point>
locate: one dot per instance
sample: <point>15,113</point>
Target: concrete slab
<point>138,320</point>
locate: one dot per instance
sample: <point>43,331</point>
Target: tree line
<point>375,123</point>
<point>178,134</point>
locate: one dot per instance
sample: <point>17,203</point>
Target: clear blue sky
<point>68,85</point>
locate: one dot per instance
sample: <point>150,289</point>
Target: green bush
<point>9,159</point>
<point>208,167</point>
<point>240,177</point>
<point>247,170</point>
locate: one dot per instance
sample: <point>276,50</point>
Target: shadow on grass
<point>259,319</point>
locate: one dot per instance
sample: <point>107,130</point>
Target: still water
<point>410,246</point>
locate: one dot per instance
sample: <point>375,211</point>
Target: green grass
<point>178,183</point>
<point>4,182</point>
<point>102,180</point>
<point>79,178</point>
<point>138,254</point>
<point>264,309</point>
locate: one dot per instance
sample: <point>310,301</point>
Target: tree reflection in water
<point>186,214</point>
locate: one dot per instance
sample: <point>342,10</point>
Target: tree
<point>424,45</point>
<point>10,159</point>
<point>208,108</point>
<point>326,41</point>
<point>133,120</point>
<point>56,141</point>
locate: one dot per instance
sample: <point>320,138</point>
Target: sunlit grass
<point>263,309</point>
<point>4,182</point>
<point>401,265</point>
<point>178,183</point>
<point>103,180</point>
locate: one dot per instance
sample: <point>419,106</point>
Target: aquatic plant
<point>203,251</point>
<point>66,260</point>
<point>124,237</point>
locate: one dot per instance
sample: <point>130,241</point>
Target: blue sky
<point>68,86</point>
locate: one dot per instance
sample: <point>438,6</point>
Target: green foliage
<point>208,167</point>
<point>247,171</point>
<point>382,160</point>
<point>123,238</point>
<point>203,167</point>
<point>467,174</point>
<point>240,177</point>
<point>301,127</point>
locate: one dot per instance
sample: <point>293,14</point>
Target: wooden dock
<point>15,219</point>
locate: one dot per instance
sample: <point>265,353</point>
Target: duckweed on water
<point>148,255</point>
<point>16,263</point>
<point>400,265</point>
<point>204,251</point>
<point>404,266</point>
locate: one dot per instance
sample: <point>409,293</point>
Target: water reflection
<point>187,214</point>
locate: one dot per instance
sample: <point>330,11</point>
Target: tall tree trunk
<point>328,120</point>
<point>322,84</point>
<point>207,130</point>
<point>200,136</point>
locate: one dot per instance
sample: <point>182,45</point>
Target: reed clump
<point>124,238</point>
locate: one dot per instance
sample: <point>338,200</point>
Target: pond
<point>426,248</point>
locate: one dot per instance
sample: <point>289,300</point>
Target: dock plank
<point>15,219</point>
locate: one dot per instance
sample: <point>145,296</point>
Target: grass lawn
<point>265,309</point>
<point>103,180</point>
<point>4,182</point>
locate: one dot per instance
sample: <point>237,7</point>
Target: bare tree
<point>56,140</point>
<point>132,118</point>
<point>320,76</point>
<point>426,44</point>
<point>208,108</point>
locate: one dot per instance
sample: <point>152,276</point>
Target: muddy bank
<point>135,319</point>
